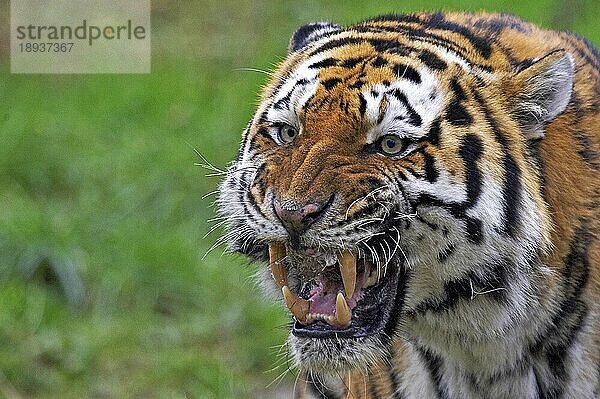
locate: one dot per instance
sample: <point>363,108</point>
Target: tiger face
<point>386,182</point>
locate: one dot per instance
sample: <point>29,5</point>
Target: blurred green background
<point>103,289</point>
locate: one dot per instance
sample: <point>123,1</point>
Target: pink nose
<point>295,218</point>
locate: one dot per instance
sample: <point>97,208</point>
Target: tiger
<point>422,193</point>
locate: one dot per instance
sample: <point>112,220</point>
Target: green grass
<point>103,289</point>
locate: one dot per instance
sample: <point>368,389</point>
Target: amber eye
<point>391,145</point>
<point>287,133</point>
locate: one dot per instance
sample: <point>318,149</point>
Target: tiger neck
<point>470,321</point>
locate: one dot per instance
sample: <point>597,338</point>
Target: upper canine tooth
<point>343,314</point>
<point>298,306</point>
<point>348,271</point>
<point>276,254</point>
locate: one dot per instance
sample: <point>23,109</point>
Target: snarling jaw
<point>370,188</point>
<point>340,299</point>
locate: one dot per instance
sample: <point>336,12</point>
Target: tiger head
<point>385,176</point>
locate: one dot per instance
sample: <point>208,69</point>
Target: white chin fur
<point>327,356</point>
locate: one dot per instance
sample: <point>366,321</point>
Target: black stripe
<point>382,113</point>
<point>242,201</point>
<point>434,132</point>
<point>379,62</point>
<point>392,323</point>
<point>586,150</point>
<point>432,61</point>
<point>456,112</point>
<point>334,43</point>
<point>457,90</point>
<point>431,173</point>
<point>308,104</point>
<point>264,132</point>
<point>259,181</point>
<point>511,192</point>
<point>263,117</point>
<point>480,44</point>
<point>372,183</point>
<point>351,62</point>
<point>512,189</point>
<point>327,62</point>
<point>458,210</point>
<point>413,117</point>
<point>474,229</point>
<point>471,149</point>
<point>496,24</point>
<point>244,142</point>
<point>362,107</point>
<point>255,206</point>
<point>433,364</point>
<point>396,18</point>
<point>331,83</point>
<point>261,132</point>
<point>557,353</point>
<point>407,72</point>
<point>284,101</point>
<point>402,175</point>
<point>358,85</point>
<point>381,45</point>
<point>466,289</point>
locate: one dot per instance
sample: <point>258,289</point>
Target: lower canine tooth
<point>348,271</point>
<point>343,314</point>
<point>298,306</point>
<point>276,254</point>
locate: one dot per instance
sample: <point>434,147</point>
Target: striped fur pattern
<point>489,210</point>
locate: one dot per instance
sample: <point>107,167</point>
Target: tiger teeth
<point>276,255</point>
<point>347,263</point>
<point>343,314</point>
<point>298,306</point>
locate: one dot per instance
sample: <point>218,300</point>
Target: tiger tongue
<point>327,303</point>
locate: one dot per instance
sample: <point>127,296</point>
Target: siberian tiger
<point>424,192</point>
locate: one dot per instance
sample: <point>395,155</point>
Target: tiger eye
<point>287,133</point>
<point>391,145</point>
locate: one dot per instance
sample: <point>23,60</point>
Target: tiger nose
<point>297,218</point>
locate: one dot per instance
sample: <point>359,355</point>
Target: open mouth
<point>334,294</point>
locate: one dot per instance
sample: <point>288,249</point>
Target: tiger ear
<point>543,91</point>
<point>312,32</point>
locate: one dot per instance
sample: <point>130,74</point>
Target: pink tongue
<point>323,296</point>
<point>324,293</point>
